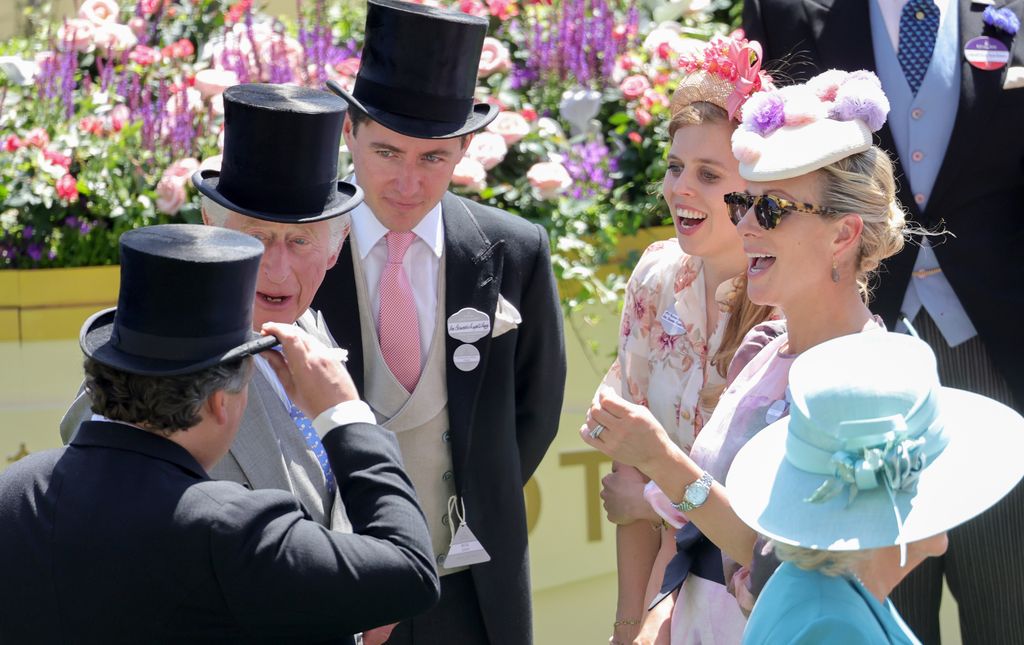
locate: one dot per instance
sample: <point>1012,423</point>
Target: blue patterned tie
<point>305,426</point>
<point>919,23</point>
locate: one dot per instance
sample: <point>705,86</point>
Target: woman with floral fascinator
<point>686,312</point>
<point>817,216</point>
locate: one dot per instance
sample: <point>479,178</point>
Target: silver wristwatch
<point>695,494</point>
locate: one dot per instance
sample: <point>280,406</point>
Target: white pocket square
<point>1014,78</point>
<point>506,317</point>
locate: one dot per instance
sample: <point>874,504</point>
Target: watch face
<point>696,495</point>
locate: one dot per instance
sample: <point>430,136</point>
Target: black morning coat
<point>121,537</point>
<point>504,414</point>
<point>979,191</point>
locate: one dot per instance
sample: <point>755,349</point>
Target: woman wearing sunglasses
<point>685,313</point>
<point>818,216</point>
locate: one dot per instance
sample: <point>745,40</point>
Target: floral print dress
<point>665,349</point>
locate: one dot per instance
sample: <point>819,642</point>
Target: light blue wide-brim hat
<point>874,452</point>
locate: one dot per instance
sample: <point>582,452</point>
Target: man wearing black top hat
<point>278,183</point>
<point>449,312</point>
<point>123,537</point>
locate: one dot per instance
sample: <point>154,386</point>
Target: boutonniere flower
<point>1001,19</point>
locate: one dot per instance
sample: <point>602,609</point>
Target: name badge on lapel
<point>469,325</point>
<point>466,357</point>
<point>464,549</point>
<point>672,323</point>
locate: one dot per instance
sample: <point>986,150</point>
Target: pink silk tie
<point>398,326</point>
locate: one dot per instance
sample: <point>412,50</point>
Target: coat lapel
<point>345,326</point>
<point>473,279</point>
<point>977,88</point>
<point>255,447</point>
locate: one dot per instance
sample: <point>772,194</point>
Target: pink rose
<point>144,55</point>
<point>643,117</point>
<point>512,127</point>
<point>473,8</point>
<point>634,86</point>
<point>211,82</point>
<point>139,26</point>
<point>182,168</point>
<point>67,188</point>
<point>76,34</point>
<point>488,148</point>
<point>348,67</point>
<point>470,173</point>
<point>99,12</point>
<point>549,179</point>
<point>119,116</point>
<point>494,58</point>
<point>37,138</point>
<point>12,143</point>
<point>170,195</point>
<point>114,36</point>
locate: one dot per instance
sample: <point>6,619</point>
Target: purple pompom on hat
<point>798,129</point>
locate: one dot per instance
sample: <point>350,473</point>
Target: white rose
<point>488,148</point>
<point>512,126</point>
<point>211,82</point>
<point>99,12</point>
<point>470,173</point>
<point>549,179</point>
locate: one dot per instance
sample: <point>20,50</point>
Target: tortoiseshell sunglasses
<point>768,209</point>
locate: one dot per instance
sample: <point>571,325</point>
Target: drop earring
<point>835,271</point>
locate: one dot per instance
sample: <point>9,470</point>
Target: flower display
<point>123,98</point>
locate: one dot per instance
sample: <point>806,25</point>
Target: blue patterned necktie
<point>919,23</point>
<point>305,426</point>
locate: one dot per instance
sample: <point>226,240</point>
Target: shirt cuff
<point>342,414</point>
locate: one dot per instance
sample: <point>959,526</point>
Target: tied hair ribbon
<point>747,58</point>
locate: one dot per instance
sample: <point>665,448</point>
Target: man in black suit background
<point>955,132</point>
<point>451,318</point>
<point>122,536</point>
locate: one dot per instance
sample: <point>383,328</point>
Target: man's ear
<point>347,131</point>
<point>216,407</point>
<point>206,218</point>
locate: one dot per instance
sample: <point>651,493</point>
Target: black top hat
<point>418,71</point>
<point>185,302</point>
<point>280,155</point>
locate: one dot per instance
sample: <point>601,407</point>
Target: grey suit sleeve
<point>540,361</point>
<point>284,576</point>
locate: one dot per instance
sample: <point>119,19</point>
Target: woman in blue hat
<point>861,482</point>
<point>818,217</point>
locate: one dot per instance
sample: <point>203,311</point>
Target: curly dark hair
<point>163,403</point>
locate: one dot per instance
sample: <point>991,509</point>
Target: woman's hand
<point>630,433</point>
<point>623,495</point>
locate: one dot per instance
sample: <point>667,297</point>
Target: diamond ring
<point>596,432</point>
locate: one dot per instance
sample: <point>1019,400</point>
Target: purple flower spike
<point>1003,19</point>
<point>766,113</point>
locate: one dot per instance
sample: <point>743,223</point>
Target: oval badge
<point>987,53</point>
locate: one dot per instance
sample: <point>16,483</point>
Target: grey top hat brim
<point>95,341</point>
<point>980,464</point>
<point>347,197</point>
<point>481,115</point>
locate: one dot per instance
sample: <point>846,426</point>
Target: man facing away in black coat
<point>122,536</point>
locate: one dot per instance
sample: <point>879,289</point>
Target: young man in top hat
<point>123,537</point>
<point>278,183</point>
<point>456,338</point>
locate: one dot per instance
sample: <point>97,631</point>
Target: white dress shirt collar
<point>367,229</point>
